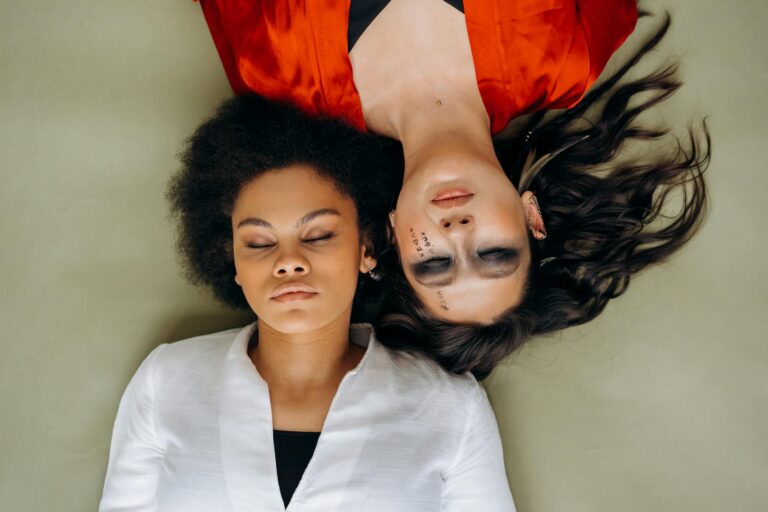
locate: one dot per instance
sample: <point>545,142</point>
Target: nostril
<point>446,224</point>
<point>464,221</point>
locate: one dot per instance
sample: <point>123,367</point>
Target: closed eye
<point>497,262</point>
<point>319,238</point>
<point>490,263</point>
<point>259,246</point>
<point>498,254</point>
<point>432,266</point>
<point>306,241</point>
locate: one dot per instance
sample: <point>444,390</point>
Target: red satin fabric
<point>528,54</point>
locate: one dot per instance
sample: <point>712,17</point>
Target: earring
<point>373,274</point>
<point>528,135</point>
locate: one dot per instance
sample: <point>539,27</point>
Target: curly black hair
<point>250,135</point>
<point>607,218</point>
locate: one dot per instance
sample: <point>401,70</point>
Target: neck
<point>305,360</point>
<point>436,126</point>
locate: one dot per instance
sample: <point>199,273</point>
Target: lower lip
<point>451,194</point>
<point>294,296</point>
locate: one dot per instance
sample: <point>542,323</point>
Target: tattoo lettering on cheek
<point>427,243</point>
<point>415,240</point>
<point>443,303</point>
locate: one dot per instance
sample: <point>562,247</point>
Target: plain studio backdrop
<point>660,404</point>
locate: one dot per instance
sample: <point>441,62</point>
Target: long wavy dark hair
<point>607,218</point>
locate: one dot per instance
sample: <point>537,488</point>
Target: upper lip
<point>292,288</point>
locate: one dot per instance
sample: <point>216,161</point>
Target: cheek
<point>504,214</point>
<point>252,273</point>
<point>409,215</point>
<point>338,268</point>
<point>406,198</point>
<point>413,242</point>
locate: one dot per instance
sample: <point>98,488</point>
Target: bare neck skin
<point>303,372</point>
<point>305,363</point>
<point>453,133</point>
<point>431,102</point>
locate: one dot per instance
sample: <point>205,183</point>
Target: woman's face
<point>462,236</point>
<point>297,249</point>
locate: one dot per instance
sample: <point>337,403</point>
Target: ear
<point>533,215</point>
<point>367,261</point>
<point>391,237</point>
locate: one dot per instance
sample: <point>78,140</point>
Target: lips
<point>452,198</point>
<point>291,292</point>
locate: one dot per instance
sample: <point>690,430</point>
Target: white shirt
<point>194,434</point>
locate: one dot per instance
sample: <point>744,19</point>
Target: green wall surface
<point>660,404</point>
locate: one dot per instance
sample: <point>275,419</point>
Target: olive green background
<point>660,404</point>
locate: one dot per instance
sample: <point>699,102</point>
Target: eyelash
<point>309,241</point>
<point>436,263</point>
<point>497,253</point>
<point>320,238</point>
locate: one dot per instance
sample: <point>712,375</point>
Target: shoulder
<point>197,356</point>
<point>419,372</point>
<point>202,346</point>
<point>560,50</point>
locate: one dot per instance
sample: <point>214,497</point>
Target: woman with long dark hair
<point>491,243</point>
<point>607,217</point>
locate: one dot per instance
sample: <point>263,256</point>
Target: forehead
<point>297,187</point>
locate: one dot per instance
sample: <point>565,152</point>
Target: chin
<point>297,322</point>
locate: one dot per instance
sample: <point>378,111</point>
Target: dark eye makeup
<point>492,262</point>
<point>434,265</point>
<point>498,254</point>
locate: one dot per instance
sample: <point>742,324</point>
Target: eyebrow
<point>255,221</point>
<point>501,271</point>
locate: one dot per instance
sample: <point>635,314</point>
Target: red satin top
<point>528,54</point>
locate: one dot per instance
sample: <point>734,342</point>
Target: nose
<point>289,265</point>
<point>459,222</point>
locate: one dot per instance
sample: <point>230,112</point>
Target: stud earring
<point>373,274</point>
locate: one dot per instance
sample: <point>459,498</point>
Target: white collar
<point>361,334</point>
<point>247,447</point>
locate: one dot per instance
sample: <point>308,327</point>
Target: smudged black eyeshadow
<point>499,254</point>
<point>433,266</point>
